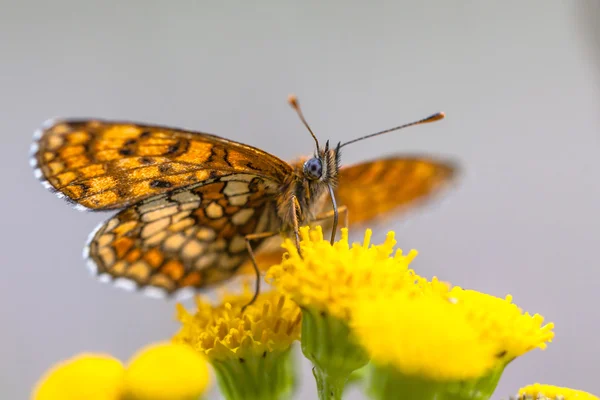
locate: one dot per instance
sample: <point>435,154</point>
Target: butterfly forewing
<point>188,238</point>
<point>103,165</point>
<point>374,189</point>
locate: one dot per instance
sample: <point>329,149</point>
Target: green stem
<point>328,386</point>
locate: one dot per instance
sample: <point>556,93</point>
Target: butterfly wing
<point>103,165</point>
<point>377,188</point>
<point>186,239</point>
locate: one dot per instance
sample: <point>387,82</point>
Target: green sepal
<point>271,376</point>
<point>329,344</point>
<point>386,383</point>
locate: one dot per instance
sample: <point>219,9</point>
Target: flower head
<point>166,371</point>
<point>331,277</point>
<point>223,332</point>
<point>158,372</point>
<point>425,336</point>
<point>250,349</point>
<point>547,392</point>
<point>85,376</point>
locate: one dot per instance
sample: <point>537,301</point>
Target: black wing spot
<point>84,187</point>
<point>160,184</point>
<point>252,166</point>
<point>173,148</point>
<point>121,192</point>
<point>125,152</point>
<point>145,134</point>
<point>129,142</point>
<point>165,168</point>
<point>146,160</point>
<point>255,184</point>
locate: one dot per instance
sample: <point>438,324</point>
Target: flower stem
<point>329,387</point>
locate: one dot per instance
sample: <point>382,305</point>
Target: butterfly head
<point>323,167</point>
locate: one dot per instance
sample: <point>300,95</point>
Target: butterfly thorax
<point>306,191</point>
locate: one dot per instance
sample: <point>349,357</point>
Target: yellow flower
<point>547,392</point>
<point>86,376</point>
<point>250,350</point>
<point>424,336</point>
<point>503,323</point>
<point>223,332</point>
<point>158,372</point>
<point>166,371</point>
<point>331,278</point>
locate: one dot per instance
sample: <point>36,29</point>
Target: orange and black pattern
<point>102,165</point>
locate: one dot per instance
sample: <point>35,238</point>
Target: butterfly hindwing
<point>102,165</point>
<point>186,239</point>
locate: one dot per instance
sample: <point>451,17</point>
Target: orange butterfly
<point>191,204</point>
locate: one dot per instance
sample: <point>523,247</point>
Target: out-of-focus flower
<point>423,336</point>
<point>503,323</point>
<point>443,341</point>
<point>166,371</point>
<point>158,372</point>
<point>423,346</point>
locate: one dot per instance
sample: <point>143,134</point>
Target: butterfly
<point>193,208</point>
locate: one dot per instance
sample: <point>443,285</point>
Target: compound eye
<point>313,169</point>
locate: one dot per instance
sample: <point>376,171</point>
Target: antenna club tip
<point>293,100</point>
<point>435,117</point>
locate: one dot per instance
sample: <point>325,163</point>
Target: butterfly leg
<point>295,209</point>
<point>328,215</point>
<point>249,238</point>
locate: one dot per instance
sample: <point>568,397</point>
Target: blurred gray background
<point>519,82</point>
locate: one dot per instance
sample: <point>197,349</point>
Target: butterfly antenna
<point>431,118</point>
<point>293,100</point>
